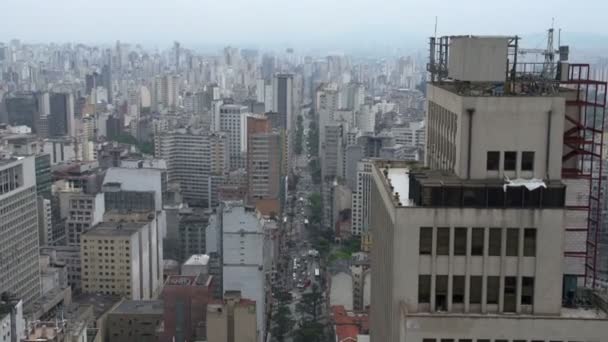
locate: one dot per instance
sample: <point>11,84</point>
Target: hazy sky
<point>287,22</point>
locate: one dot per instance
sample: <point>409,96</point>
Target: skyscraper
<point>61,119</point>
<point>264,162</point>
<point>283,97</point>
<point>19,229</point>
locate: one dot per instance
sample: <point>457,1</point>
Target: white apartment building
<point>472,249</point>
<point>233,122</point>
<point>361,198</point>
<point>19,229</point>
<point>246,250</point>
<point>197,160</point>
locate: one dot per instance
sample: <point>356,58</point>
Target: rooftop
<point>197,259</point>
<point>114,229</point>
<point>101,303</point>
<point>149,307</point>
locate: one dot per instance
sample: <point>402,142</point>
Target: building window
<point>495,242</point>
<point>477,236</point>
<point>530,242</point>
<point>460,241</point>
<point>493,161</point>
<point>443,241</point>
<point>512,241</point>
<point>429,340</point>
<point>509,294</point>
<point>458,289</point>
<point>426,240</point>
<point>510,161</point>
<point>441,293</point>
<point>424,288</point>
<point>527,161</point>
<point>527,291</point>
<point>475,289</point>
<point>493,289</point>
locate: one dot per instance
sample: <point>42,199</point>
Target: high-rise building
<point>474,247</point>
<point>166,90</point>
<point>61,118</point>
<point>282,85</point>
<point>22,109</point>
<point>19,227</point>
<point>233,122</point>
<point>245,253</point>
<point>264,165</point>
<point>120,256</point>
<point>361,198</point>
<point>232,319</point>
<point>197,160</point>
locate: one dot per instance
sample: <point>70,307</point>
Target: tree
<point>315,206</point>
<point>310,304</point>
<point>310,331</point>
<point>283,323</point>
<point>299,135</point>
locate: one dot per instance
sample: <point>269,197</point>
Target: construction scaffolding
<point>582,164</point>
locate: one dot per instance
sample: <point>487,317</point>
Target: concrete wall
<point>416,328</point>
<point>502,124</point>
<point>547,272</point>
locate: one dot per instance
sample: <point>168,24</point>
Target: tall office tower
<point>92,81</point>
<point>474,247</point>
<point>61,118</point>
<point>197,160</point>
<point>22,109</point>
<point>260,88</point>
<point>19,226</point>
<point>119,256</point>
<point>282,90</point>
<point>361,198</point>
<point>106,81</point>
<point>165,94</point>
<point>264,165</point>
<point>233,121</point>
<point>232,319</point>
<point>245,255</point>
<point>176,51</point>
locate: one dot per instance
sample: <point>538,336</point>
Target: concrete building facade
<point>120,256</point>
<point>473,249</point>
<point>19,226</point>
<point>196,160</point>
<point>232,320</point>
<point>233,122</point>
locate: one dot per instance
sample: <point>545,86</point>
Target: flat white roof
<point>400,180</point>
<point>197,259</point>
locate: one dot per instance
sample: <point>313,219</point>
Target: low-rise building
<point>232,320</point>
<point>185,300</point>
<point>134,321</point>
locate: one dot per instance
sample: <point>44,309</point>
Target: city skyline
<point>358,24</point>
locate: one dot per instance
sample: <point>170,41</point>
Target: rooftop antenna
<point>435,27</point>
